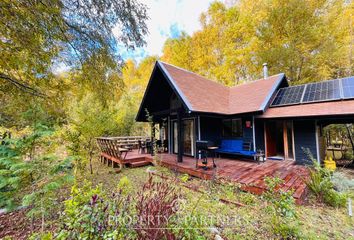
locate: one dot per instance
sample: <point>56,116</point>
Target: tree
<point>38,37</point>
<point>89,119</point>
<point>309,40</point>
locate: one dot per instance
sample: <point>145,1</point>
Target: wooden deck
<point>245,172</point>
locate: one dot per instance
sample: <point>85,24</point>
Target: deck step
<point>139,163</point>
<point>138,159</point>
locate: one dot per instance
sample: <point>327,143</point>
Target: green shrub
<point>321,184</point>
<point>90,214</point>
<point>282,208</point>
<point>282,201</point>
<point>124,185</point>
<point>184,178</point>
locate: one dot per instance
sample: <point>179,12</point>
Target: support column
<point>180,136</point>
<point>153,138</point>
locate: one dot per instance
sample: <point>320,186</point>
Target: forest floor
<point>250,219</point>
<point>316,221</point>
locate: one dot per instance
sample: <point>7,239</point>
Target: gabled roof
<point>203,95</point>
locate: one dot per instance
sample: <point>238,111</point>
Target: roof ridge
<point>229,87</point>
<point>185,70</point>
<point>278,80</point>
<point>257,80</point>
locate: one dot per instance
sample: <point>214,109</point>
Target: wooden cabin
<point>279,120</point>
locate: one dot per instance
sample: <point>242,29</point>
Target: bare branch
<point>21,86</point>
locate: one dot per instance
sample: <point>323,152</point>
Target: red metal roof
<point>337,108</point>
<point>204,95</point>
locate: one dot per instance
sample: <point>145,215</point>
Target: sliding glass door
<point>188,137</point>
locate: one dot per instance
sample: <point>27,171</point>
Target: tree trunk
<point>91,170</point>
<point>350,136</point>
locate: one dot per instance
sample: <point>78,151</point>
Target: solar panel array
<point>348,87</point>
<point>289,95</point>
<point>328,90</point>
<point>315,92</point>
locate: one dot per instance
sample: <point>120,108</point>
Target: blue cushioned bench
<point>236,147</point>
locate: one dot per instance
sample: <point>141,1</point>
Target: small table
<point>128,146</point>
<point>123,150</point>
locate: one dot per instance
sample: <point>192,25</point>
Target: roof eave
<point>145,93</point>
<point>175,87</point>
<point>271,93</point>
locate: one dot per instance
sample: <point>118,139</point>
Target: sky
<point>167,19</point>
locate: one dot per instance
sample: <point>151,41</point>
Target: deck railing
<point>113,146</point>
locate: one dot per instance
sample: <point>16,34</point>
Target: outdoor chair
<point>141,147</point>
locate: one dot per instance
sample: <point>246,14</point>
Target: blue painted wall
<point>305,138</point>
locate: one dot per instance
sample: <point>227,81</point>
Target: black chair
<point>149,147</point>
<point>141,146</point>
<point>165,145</point>
<point>158,145</point>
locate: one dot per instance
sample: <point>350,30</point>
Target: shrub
<point>321,185</point>
<point>89,214</point>
<point>282,201</point>
<point>184,178</point>
<point>155,208</point>
<point>124,185</point>
<point>284,219</point>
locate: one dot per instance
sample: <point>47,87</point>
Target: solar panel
<point>322,91</point>
<point>315,92</point>
<point>288,96</point>
<point>348,87</point>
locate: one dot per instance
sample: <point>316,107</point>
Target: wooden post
<point>180,136</point>
<point>153,140</point>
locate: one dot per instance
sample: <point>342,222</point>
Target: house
<point>285,122</point>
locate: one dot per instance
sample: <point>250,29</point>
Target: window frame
<point>234,129</point>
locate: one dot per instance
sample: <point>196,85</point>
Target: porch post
<point>153,140</point>
<point>180,136</point>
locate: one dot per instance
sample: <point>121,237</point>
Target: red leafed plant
<point>155,207</point>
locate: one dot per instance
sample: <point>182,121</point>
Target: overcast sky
<point>167,19</point>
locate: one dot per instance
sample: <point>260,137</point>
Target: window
<point>232,127</point>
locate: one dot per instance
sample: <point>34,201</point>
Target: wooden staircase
<point>138,162</point>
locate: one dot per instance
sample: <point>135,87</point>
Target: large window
<point>232,127</point>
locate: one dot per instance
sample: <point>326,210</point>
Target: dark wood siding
<point>305,138</point>
<point>259,126</point>
<point>211,129</point>
<point>247,132</point>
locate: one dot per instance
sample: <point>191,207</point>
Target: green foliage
<point>282,209</point>
<point>124,185</point>
<point>89,119</point>
<point>91,214</point>
<point>341,182</point>
<point>308,40</point>
<point>184,178</point>
<point>19,165</point>
<point>31,176</point>
<point>282,201</point>
<point>321,185</point>
<point>41,236</point>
